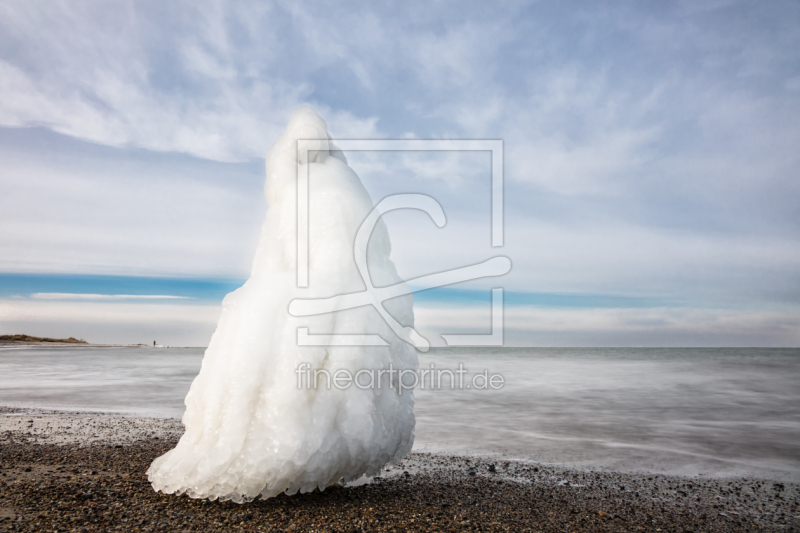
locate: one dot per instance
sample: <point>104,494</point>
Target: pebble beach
<point>63,471</point>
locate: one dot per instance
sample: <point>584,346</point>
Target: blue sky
<point>651,162</point>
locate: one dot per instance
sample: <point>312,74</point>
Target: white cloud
<point>111,322</point>
<point>192,325</point>
<point>605,257</point>
<point>645,152</point>
<point>109,213</point>
<point>531,326</point>
<point>97,82</point>
<point>86,296</point>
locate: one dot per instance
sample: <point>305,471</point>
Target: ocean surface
<point>691,411</point>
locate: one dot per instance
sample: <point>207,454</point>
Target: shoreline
<point>87,345</point>
<point>81,471</point>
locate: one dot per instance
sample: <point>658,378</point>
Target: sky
<point>651,161</point>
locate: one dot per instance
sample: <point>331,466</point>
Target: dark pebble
<point>438,497</point>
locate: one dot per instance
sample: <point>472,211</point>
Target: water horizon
<point>688,411</point>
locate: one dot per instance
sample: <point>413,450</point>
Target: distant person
<point>154,343</point>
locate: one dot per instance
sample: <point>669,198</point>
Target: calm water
<point>689,411</point>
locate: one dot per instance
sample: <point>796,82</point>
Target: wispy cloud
<point>650,149</point>
<point>110,77</point>
<point>178,324</point>
<point>68,296</point>
<point>532,326</point>
<point>114,322</point>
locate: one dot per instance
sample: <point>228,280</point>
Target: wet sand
<point>85,472</point>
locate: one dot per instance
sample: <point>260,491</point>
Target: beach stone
<point>438,497</point>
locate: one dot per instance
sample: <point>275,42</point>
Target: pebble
<point>98,486</point>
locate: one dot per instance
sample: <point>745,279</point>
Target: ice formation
<point>251,430</point>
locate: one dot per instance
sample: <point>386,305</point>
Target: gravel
<point>99,485</point>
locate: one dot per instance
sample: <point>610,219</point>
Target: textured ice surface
<point>250,430</point>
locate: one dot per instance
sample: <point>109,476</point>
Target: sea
<point>717,412</point>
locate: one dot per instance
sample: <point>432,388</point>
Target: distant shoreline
<point>29,339</point>
<point>57,344</point>
<point>60,344</point>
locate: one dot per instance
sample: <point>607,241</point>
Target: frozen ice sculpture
<point>252,428</point>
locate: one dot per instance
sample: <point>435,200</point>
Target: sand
<point>64,471</point>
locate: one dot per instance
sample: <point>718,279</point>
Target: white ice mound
<point>252,428</point>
